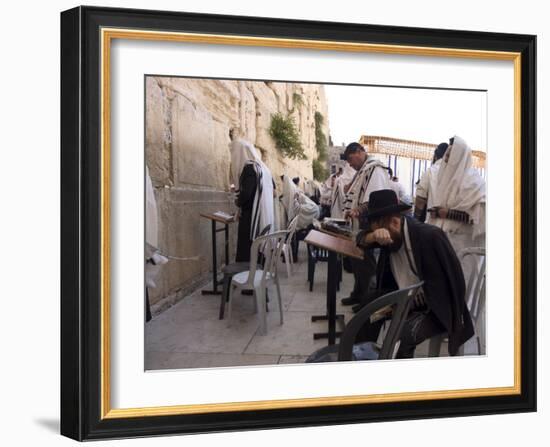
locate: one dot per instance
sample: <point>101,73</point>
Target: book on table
<point>223,215</point>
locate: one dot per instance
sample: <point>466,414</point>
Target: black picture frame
<point>81,215</point>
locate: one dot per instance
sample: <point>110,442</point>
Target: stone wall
<point>188,123</point>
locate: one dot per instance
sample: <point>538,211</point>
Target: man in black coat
<point>412,251</point>
<point>248,183</point>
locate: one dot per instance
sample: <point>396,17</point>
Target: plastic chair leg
<point>259,295</point>
<point>279,298</point>
<point>287,261</point>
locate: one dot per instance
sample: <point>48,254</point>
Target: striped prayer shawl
<point>360,183</point>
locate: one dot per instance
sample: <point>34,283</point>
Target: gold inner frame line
<point>106,36</point>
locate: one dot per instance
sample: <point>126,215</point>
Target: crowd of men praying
<point>403,244</point>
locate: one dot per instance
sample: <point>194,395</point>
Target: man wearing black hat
<point>371,175</point>
<point>412,252</point>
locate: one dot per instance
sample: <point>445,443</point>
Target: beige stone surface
<point>188,124</point>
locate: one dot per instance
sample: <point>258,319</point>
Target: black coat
<point>247,192</point>
<point>248,184</point>
<point>444,286</point>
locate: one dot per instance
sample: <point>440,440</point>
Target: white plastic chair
<point>258,279</point>
<point>287,248</point>
<point>475,297</point>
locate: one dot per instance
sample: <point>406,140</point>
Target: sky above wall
<point>427,115</point>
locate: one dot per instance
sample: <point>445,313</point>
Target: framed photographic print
<point>277,223</point>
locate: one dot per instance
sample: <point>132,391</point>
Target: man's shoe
<point>349,301</point>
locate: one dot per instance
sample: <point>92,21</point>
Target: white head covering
<point>459,186</point>
<point>243,153</point>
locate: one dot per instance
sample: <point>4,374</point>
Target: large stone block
<point>184,233</point>
<point>200,146</point>
<point>220,98</point>
<point>158,136</point>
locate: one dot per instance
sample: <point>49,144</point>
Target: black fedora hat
<point>383,203</point>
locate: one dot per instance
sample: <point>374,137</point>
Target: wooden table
<point>338,235</point>
<point>225,221</point>
<point>335,246</point>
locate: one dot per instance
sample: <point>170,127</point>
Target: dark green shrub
<point>320,172</point>
<point>283,131</point>
<point>320,139</point>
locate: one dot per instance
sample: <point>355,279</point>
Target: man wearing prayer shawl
<point>297,204</point>
<point>371,175</point>
<point>427,182</point>
<point>254,195</point>
<point>153,259</point>
<point>338,199</point>
<point>325,196</point>
<point>456,201</point>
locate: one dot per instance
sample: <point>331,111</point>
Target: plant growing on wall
<point>297,99</point>
<point>320,172</point>
<point>320,138</point>
<point>283,131</point>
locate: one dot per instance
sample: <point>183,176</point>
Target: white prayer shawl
<point>309,188</point>
<point>400,191</point>
<point>242,154</point>
<point>296,203</point>
<point>307,211</point>
<point>326,191</point>
<point>151,234</point>
<point>459,187</point>
<point>360,182</point>
<point>151,213</point>
<point>289,199</point>
<point>338,194</point>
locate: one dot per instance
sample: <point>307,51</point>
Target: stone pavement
<point>190,335</point>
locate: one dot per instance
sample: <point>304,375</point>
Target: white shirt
<point>423,187</point>
<point>399,262</point>
<point>400,191</point>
